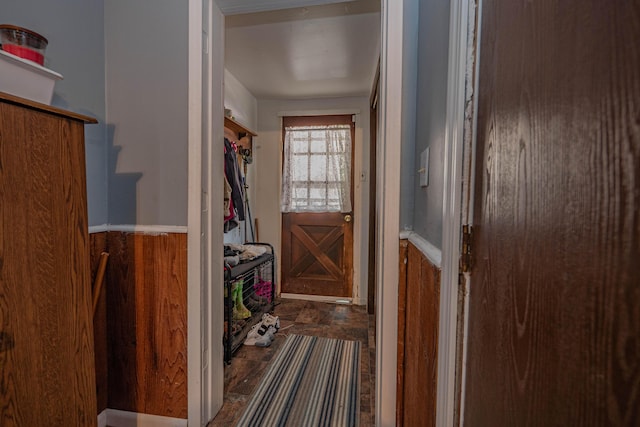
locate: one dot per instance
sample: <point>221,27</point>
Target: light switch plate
<point>424,168</point>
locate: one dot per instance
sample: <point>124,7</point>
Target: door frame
<point>194,226</point>
<point>323,119</point>
<point>201,379</point>
<point>387,256</point>
<point>388,208</point>
<point>205,366</point>
<point>472,22</point>
<point>462,23</point>
<point>359,237</point>
<point>373,143</point>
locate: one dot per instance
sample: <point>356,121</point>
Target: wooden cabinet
<point>47,372</point>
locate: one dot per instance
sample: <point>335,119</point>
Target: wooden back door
<point>554,320</point>
<point>317,247</point>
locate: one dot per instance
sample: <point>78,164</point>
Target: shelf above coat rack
<point>241,133</point>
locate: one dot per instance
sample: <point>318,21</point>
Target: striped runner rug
<point>312,381</point>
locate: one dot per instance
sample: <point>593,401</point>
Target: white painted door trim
<point>205,376</point>
<point>194,226</point>
<point>452,203</point>
<point>388,205</point>
<point>329,112</point>
<point>215,283</point>
<point>118,418</point>
<point>474,19</point>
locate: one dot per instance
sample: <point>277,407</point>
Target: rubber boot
<point>234,298</point>
<point>243,311</point>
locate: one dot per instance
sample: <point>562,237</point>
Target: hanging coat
<point>232,172</point>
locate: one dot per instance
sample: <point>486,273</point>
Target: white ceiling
<point>304,52</point>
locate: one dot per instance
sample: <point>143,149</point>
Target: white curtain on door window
<point>316,173</point>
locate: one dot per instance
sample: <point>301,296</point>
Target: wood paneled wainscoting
<point>418,313</point>
<point>141,323</point>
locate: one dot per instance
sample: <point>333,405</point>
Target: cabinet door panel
<point>46,336</point>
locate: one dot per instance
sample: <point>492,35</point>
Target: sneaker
<point>271,320</point>
<point>272,330</point>
<point>269,331</point>
<point>259,336</point>
<point>257,341</point>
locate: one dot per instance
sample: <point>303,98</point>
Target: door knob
<point>347,218</point>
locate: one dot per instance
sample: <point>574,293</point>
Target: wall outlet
<point>424,168</point>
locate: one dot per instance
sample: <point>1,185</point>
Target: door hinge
<point>466,257</point>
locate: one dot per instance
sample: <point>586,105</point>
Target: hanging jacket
<point>228,205</point>
<point>232,172</point>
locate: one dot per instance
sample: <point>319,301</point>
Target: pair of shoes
<point>255,302</point>
<point>263,290</point>
<point>271,321</point>
<point>260,335</point>
<point>258,299</point>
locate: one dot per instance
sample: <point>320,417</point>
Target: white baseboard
<point>117,418</point>
<point>320,298</point>
<point>358,301</point>
<point>102,418</point>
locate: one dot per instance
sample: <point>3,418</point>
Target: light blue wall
<point>126,67</point>
<point>75,30</point>
<point>409,90</point>
<point>431,102</point>
<point>147,113</point>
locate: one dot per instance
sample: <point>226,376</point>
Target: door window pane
<point>318,160</point>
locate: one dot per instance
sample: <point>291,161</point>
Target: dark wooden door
<point>317,247</point>
<point>47,374</point>
<point>554,322</point>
